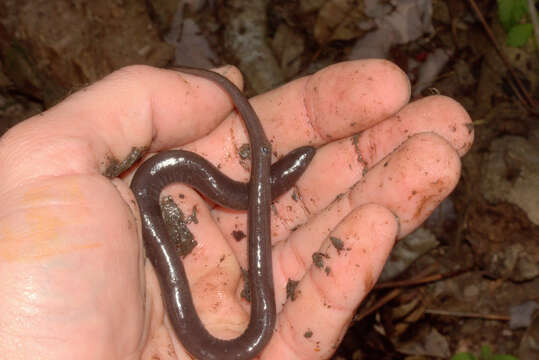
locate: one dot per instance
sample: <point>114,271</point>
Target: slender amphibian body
<point>186,167</point>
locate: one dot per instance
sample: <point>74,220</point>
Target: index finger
<point>334,103</point>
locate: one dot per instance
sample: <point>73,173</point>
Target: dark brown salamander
<point>189,168</point>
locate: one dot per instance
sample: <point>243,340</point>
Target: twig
<point>468,315</point>
<point>392,294</point>
<point>419,281</point>
<point>387,298</point>
<point>535,23</point>
<point>528,102</point>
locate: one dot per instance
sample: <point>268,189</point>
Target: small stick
<point>468,314</point>
<point>387,298</point>
<point>392,294</point>
<point>418,281</point>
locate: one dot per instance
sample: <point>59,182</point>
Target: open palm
<point>75,281</point>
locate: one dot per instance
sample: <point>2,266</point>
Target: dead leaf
<point>288,46</point>
<point>310,5</point>
<point>191,48</point>
<point>339,20</point>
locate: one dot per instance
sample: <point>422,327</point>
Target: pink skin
<point>74,280</point>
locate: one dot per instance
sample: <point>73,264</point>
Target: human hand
<point>75,283</point>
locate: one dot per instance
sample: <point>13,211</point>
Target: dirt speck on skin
<point>176,223</point>
<point>318,259</point>
<point>238,235</point>
<point>337,243</point>
<point>245,152</point>
<point>291,286</point>
<point>295,195</point>
<point>116,167</point>
<point>245,293</point>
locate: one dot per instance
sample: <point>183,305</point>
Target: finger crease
<point>359,155</point>
<point>298,257</point>
<point>326,303</point>
<point>302,203</point>
<point>310,115</point>
<point>286,341</point>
